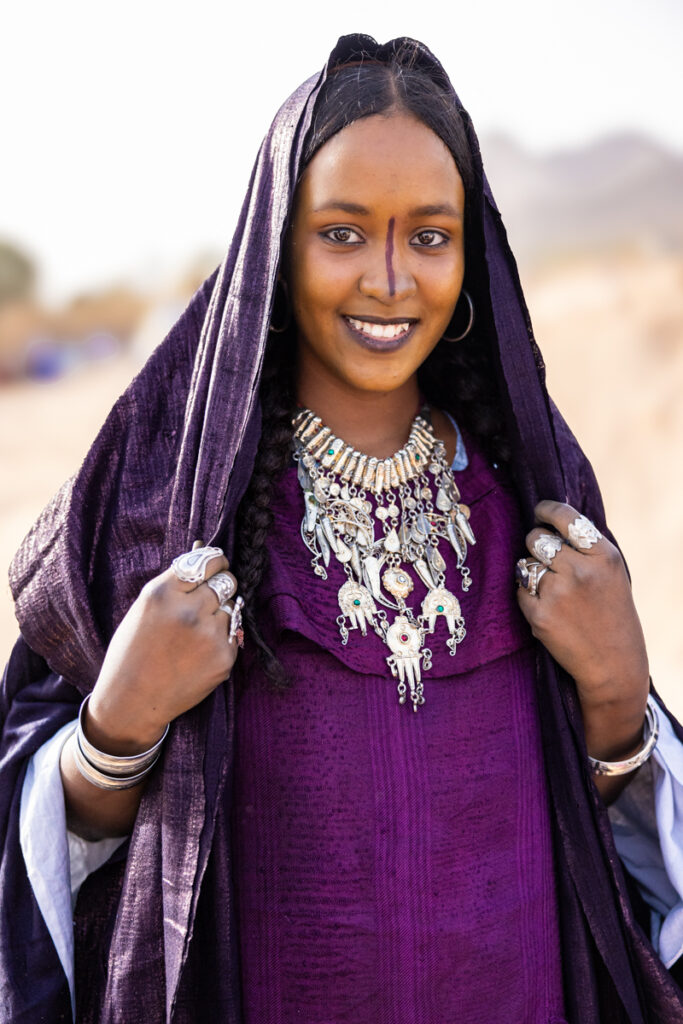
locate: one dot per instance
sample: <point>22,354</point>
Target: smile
<point>385,332</point>
<point>381,336</point>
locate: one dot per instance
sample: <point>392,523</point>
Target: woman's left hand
<point>583,613</point>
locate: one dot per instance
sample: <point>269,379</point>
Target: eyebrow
<point>338,204</point>
<point>429,210</point>
<point>435,209</point>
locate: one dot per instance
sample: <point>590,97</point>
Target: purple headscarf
<point>171,464</point>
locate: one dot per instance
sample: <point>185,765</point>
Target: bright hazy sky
<point>129,128</point>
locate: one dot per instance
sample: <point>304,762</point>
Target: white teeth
<point>384,331</point>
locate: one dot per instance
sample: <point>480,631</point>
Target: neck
<point>375,423</point>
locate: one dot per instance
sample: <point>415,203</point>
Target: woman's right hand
<point>168,653</point>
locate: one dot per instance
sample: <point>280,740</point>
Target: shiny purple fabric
<point>395,866</point>
<point>171,463</point>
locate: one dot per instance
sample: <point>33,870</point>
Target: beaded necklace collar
<point>383,519</point>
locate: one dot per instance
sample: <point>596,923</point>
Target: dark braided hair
<point>353,91</point>
<point>254,515</point>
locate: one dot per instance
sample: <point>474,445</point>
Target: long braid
<point>254,516</point>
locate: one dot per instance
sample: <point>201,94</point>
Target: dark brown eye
<point>430,239</point>
<point>346,236</point>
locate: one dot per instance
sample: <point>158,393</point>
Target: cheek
<point>318,285</point>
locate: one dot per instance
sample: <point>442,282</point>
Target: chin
<point>379,384</point>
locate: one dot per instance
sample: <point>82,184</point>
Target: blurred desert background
<point>598,231</point>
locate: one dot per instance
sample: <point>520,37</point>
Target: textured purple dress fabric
<point>171,464</point>
<point>374,878</point>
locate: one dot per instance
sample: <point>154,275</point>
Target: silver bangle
<point>111,765</point>
<point>650,737</point>
<point>101,779</point>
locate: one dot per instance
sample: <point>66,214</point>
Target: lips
<point>380,335</point>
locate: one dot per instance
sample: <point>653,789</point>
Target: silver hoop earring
<point>469,322</point>
<point>288,309</point>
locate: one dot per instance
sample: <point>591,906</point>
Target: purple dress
<point>395,866</point>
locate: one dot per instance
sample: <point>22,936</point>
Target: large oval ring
<point>223,586</point>
<point>522,576</point>
<point>546,547</point>
<point>582,533</point>
<point>190,567</point>
<point>529,574</point>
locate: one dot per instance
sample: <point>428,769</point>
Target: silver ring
<point>190,567</point>
<point>223,586</point>
<point>236,632</point>
<point>529,574</point>
<point>537,572</point>
<point>582,533</point>
<point>546,547</point>
<point>522,574</point>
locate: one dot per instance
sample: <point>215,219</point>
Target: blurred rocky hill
<point>617,192</point>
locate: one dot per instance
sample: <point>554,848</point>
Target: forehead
<point>382,159</point>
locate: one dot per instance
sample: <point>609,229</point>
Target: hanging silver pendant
<point>311,511</point>
<point>357,605</point>
<point>405,642</point>
<point>397,582</point>
<point>441,602</point>
<point>464,525</point>
<point>323,544</point>
<point>371,567</point>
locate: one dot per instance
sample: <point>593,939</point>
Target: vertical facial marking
<point>389,256</point>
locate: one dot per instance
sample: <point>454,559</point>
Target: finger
<point>574,527</point>
<point>217,563</point>
<point>223,586</point>
<point>548,547</point>
<point>528,576</point>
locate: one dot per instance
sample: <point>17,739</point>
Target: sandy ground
<point>612,335</point>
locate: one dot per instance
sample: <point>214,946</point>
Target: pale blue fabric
<point>647,821</point>
<point>460,459</point>
<point>57,861</point>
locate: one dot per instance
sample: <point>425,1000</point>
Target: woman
<point>358,825</point>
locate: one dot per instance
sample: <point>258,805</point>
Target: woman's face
<point>376,260</point>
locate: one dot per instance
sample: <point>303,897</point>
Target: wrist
<point>118,731</point>
<point>630,760</point>
<point>614,731</point>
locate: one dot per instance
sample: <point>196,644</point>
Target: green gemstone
<point>330,451</point>
<point>356,601</point>
<point>439,607</point>
<point>417,456</point>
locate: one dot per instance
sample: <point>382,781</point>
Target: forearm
<point>94,813</point>
<point>613,727</point>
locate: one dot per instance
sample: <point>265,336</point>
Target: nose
<point>386,275</point>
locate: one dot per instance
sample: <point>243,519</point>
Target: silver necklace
<point>415,504</point>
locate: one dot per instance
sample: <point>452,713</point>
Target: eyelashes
<point>343,236</point>
<point>429,238</point>
<point>439,238</point>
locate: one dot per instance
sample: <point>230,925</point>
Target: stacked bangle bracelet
<point>650,737</point>
<point>106,771</point>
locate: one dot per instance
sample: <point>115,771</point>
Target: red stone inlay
<point>404,638</point>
